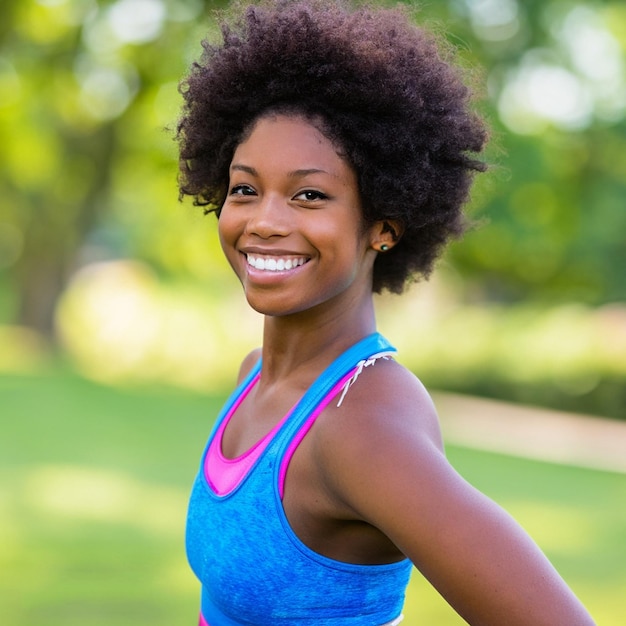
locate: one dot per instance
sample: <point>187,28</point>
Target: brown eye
<point>242,190</point>
<point>311,195</point>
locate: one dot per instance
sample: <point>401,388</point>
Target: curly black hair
<point>385,93</point>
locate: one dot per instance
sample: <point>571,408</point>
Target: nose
<point>271,217</point>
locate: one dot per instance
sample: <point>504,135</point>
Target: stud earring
<point>384,247</point>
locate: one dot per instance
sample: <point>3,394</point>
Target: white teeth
<point>273,264</point>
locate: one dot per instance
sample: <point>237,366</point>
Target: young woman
<point>336,148</point>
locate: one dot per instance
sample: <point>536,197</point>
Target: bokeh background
<point>121,327</point>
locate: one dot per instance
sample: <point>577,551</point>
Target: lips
<point>270,263</point>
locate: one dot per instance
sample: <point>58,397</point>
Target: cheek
<point>344,237</point>
<point>228,233</point>
<point>227,229</point>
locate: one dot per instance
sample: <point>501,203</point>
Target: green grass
<point>93,488</point>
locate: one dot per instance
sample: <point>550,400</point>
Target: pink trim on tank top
<point>202,621</point>
<point>304,429</point>
<point>224,474</point>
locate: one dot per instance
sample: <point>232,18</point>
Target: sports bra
<point>253,568</point>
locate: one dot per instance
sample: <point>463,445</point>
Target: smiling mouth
<point>275,263</point>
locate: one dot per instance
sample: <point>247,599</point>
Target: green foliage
<point>553,218</point>
<point>554,231</point>
<point>568,357</point>
<point>88,87</point>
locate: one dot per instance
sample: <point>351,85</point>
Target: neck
<point>302,345</point>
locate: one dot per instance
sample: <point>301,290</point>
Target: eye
<point>242,190</point>
<point>310,195</point>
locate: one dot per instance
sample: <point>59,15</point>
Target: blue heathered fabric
<point>253,568</point>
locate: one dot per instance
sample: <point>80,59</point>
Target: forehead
<point>289,138</point>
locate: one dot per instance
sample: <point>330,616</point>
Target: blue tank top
<point>253,568</point>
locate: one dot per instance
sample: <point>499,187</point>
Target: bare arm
<point>391,471</point>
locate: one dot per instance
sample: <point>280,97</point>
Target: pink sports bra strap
<point>295,442</point>
<point>224,475</point>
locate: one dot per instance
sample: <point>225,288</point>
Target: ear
<point>385,234</point>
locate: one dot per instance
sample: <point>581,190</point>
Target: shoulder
<point>382,461</point>
<point>248,363</point>
<point>386,404</point>
<point>385,432</point>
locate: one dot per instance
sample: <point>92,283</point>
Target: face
<point>291,225</point>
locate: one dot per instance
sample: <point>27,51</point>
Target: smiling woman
<point>382,93</point>
<point>335,147</point>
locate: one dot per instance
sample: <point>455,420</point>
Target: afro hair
<point>386,94</point>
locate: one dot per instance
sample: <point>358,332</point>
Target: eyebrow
<point>301,173</point>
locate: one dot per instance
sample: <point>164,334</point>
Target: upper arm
<point>391,471</point>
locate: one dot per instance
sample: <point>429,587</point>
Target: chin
<point>277,308</point>
<point>266,308</point>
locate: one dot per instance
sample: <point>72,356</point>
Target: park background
<point>121,327</point>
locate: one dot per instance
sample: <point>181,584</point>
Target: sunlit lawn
<point>93,487</point>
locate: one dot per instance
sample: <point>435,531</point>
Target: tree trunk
<point>56,233</point>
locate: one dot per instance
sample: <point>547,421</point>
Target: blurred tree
<point>73,73</point>
<point>87,171</point>
<point>556,214</point>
